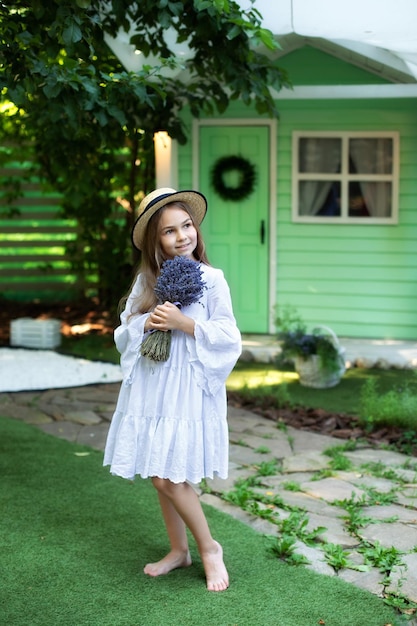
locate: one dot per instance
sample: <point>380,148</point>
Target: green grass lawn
<point>344,398</point>
<point>75,539</point>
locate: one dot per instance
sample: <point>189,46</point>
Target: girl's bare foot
<point>216,572</point>
<point>172,560</point>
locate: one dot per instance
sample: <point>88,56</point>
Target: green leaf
<point>233,32</point>
<point>51,90</point>
<point>118,114</point>
<point>222,5</point>
<point>267,39</point>
<point>71,34</point>
<point>202,5</point>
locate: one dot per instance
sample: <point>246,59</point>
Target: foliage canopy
<point>90,122</point>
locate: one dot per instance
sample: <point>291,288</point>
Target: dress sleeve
<point>129,335</point>
<point>217,341</point>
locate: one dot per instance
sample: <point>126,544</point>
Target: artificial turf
<point>74,541</point>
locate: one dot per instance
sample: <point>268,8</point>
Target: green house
<point>329,225</point>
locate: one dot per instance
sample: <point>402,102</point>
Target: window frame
<point>344,177</point>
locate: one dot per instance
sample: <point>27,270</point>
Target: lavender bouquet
<point>179,282</point>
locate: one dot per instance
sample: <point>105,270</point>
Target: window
<point>345,177</point>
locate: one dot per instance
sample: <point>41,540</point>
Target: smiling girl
<point>170,422</point>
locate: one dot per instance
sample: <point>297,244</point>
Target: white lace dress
<point>171,417</point>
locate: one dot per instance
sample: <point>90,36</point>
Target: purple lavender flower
<point>180,281</point>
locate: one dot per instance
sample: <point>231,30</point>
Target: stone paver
<point>332,490</point>
<point>335,530</point>
<point>86,417</point>
<point>303,441</point>
<point>369,455</point>
<point>279,447</point>
<point>247,456</point>
<point>402,536</point>
<point>315,558</point>
<point>63,430</point>
<point>372,581</point>
<point>83,414</point>
<point>308,462</point>
<point>392,512</point>
<point>28,414</point>
<point>404,578</point>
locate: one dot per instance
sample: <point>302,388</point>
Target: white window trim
<point>344,177</point>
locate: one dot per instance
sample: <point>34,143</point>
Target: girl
<point>170,420</point>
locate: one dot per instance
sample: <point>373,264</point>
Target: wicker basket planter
<point>311,371</point>
<point>313,375</point>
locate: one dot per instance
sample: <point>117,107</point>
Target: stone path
<point>367,507</point>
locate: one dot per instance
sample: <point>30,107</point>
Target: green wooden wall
<point>33,235</point>
<point>358,279</point>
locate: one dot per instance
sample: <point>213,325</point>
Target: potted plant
<point>317,355</point>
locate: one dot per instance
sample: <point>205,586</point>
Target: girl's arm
<point>217,344</point>
<point>128,336</point>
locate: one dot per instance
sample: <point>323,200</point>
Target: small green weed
<point>401,603</point>
<point>379,470</point>
<point>296,525</point>
<point>242,443</point>
<point>339,462</point>
<point>268,468</point>
<point>410,465</point>
<point>379,498</point>
<point>324,473</point>
<point>263,450</point>
<point>250,481</point>
<point>407,443</point>
<point>204,486</point>
<point>354,520</point>
<point>272,500</point>
<point>265,512</point>
<point>382,558</point>
<point>335,556</point>
<point>349,446</point>
<point>397,407</point>
<point>249,500</point>
<point>284,548</point>
<point>241,495</point>
<point>291,485</point>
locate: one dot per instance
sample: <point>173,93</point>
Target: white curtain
<point>373,156</point>
<point>317,155</point>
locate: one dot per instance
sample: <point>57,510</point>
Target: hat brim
<point>193,199</point>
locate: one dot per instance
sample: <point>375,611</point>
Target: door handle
<point>262,232</point>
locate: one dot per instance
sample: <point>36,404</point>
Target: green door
<point>236,232</point>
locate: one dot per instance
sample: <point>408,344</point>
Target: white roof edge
<point>339,92</point>
<point>380,55</point>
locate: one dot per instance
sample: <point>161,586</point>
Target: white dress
<point>171,417</point>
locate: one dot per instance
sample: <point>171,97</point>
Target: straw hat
<point>161,197</point>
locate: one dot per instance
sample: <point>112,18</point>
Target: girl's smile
<point>177,233</point>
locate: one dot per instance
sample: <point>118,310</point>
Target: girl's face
<point>177,233</point>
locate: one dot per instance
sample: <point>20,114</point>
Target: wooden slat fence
<point>33,236</point>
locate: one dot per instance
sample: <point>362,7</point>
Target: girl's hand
<point>168,316</point>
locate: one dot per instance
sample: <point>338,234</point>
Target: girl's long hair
<point>153,257</point>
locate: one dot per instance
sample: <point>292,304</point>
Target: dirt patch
<point>340,425</point>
